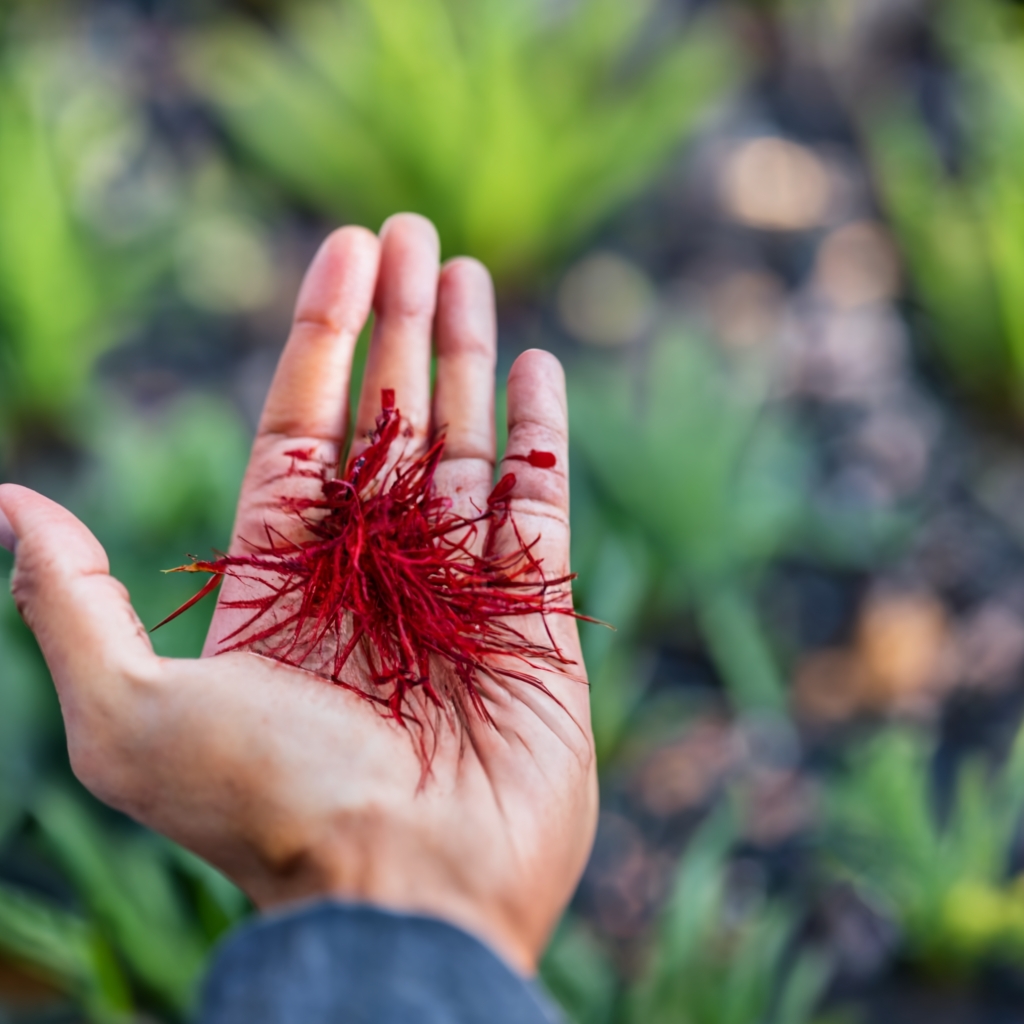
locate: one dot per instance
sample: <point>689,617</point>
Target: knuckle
<point>469,342</point>
<point>409,304</point>
<point>320,323</point>
<point>27,581</point>
<point>530,435</point>
<point>22,591</point>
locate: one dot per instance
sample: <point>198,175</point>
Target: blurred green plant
<point>163,486</point>
<point>714,960</point>
<point>615,581</point>
<point>516,127</point>
<point>149,915</point>
<point>689,457</point>
<point>29,715</point>
<point>63,950</point>
<point>960,221</point>
<point>65,270</point>
<point>93,214</point>
<point>943,873</point>
<point>52,308</point>
<point>173,472</point>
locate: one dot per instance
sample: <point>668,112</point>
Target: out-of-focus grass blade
<point>48,298</point>
<point>129,890</point>
<point>65,951</point>
<point>714,481</point>
<point>716,964</point>
<point>579,975</point>
<point>962,229</point>
<point>219,902</point>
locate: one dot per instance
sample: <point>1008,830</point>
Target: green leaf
<point>690,455</point>
<point>943,875</point>
<point>713,963</point>
<point>28,712</point>
<point>579,975</point>
<point>48,346</point>
<point>962,233</point>
<point>66,951</point>
<point>516,129</point>
<point>129,890</point>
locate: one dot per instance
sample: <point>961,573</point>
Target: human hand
<point>295,788</point>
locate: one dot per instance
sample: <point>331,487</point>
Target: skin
<point>294,788</point>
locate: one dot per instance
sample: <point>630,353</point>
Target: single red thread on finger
<point>541,460</point>
<point>393,594</point>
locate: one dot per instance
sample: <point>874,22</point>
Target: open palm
<point>293,787</point>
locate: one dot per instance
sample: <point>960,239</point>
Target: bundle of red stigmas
<point>392,593</point>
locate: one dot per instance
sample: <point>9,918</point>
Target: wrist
<point>413,882</point>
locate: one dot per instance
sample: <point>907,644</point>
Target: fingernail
<point>7,538</point>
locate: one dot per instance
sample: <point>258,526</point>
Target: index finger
<point>307,405</point>
<point>309,394</point>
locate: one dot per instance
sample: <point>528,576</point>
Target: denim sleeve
<point>332,963</point>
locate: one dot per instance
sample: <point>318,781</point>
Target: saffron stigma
<point>393,595</point>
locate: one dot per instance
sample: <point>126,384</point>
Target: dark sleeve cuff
<point>331,963</point>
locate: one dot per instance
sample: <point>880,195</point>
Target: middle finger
<point>399,356</point>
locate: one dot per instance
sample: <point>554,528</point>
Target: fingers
<point>399,356</point>
<point>309,394</point>
<point>466,354</point>
<point>81,616</point>
<point>538,437</point>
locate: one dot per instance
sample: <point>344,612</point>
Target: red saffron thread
<point>542,460</point>
<point>394,584</point>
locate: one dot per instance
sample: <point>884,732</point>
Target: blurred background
<point>779,246</point>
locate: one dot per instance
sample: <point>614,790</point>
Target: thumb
<point>82,618</point>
